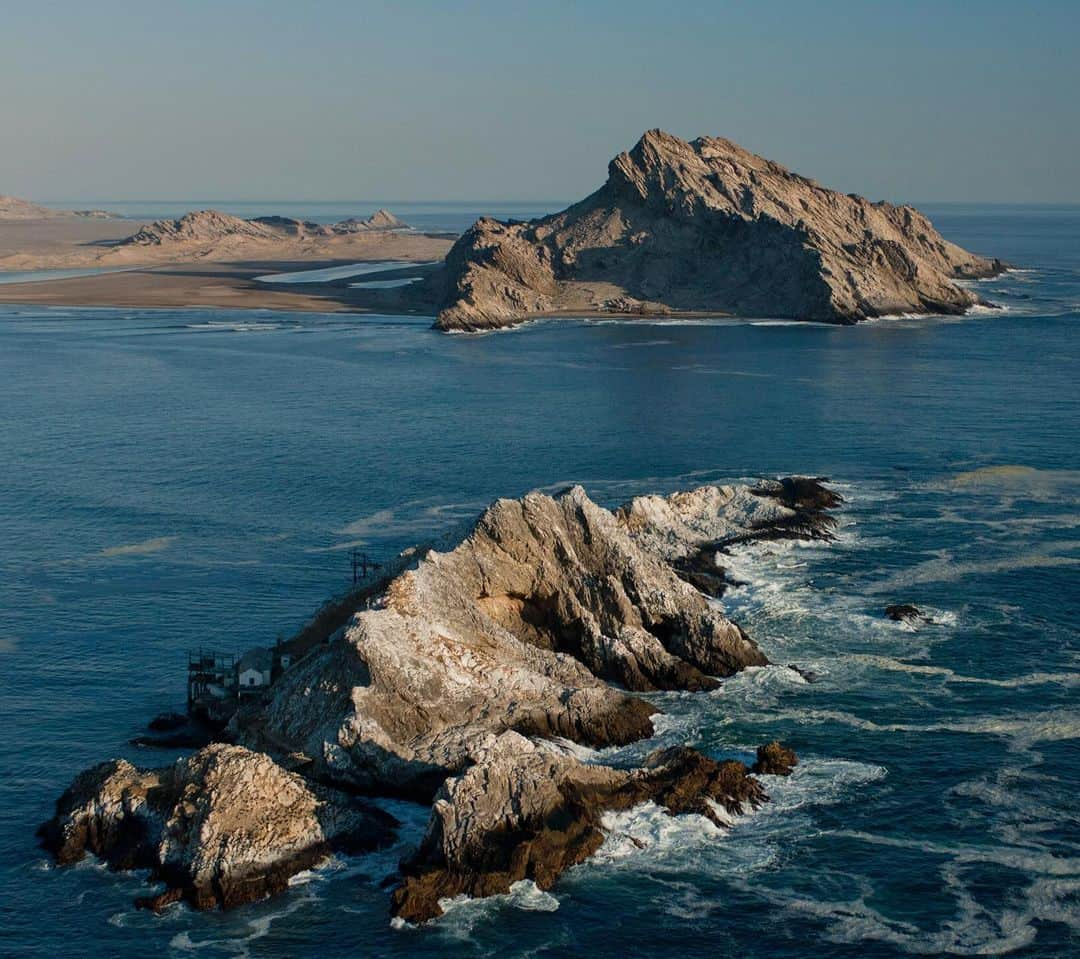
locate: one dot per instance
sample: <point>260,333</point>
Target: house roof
<point>256,658</point>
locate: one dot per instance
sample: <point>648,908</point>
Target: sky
<point>975,101</point>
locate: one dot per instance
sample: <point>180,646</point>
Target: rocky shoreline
<point>706,228</point>
<point>460,687</point>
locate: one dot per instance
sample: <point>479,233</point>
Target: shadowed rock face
<point>526,811</point>
<point>707,226</point>
<point>521,627</point>
<point>224,827</point>
<point>691,530</point>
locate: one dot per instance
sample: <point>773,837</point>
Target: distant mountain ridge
<point>203,226</point>
<point>706,226</point>
<point>14,208</point>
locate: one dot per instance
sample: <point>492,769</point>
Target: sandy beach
<point>221,274</point>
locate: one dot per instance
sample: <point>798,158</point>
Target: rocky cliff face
<point>707,227</point>
<point>463,682</point>
<point>521,627</point>
<point>223,827</point>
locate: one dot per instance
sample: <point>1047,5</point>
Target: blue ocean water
<point>182,477</point>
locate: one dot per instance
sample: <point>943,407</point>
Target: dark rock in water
<point>807,492</point>
<point>177,731</point>
<point>774,759</point>
<point>527,811</point>
<point>701,570</point>
<point>161,901</point>
<point>167,722</point>
<point>808,674</point>
<point>222,827</point>
<point>906,613</point>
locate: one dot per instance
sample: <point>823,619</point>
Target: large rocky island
<point>706,227</point>
<point>463,683</point>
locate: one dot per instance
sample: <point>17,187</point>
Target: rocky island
<point>706,227</point>
<point>462,687</point>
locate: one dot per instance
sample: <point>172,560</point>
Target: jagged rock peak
<point>198,226</point>
<point>552,805</point>
<point>707,226</point>
<point>13,208</point>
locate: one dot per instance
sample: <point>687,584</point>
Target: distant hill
<point>13,208</point>
<point>209,226</point>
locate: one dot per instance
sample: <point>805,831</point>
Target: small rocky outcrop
<point>707,226</point>
<point>774,759</point>
<point>525,810</point>
<point>177,731</point>
<point>907,613</point>
<point>691,530</point>
<point>223,827</point>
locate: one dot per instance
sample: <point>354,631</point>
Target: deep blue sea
<point>172,478</point>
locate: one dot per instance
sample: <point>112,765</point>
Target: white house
<point>253,669</point>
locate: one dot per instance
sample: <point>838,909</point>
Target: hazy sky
<point>355,100</point>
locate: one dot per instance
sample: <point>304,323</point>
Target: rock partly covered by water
<point>774,759</point>
<point>523,626</point>
<point>526,810</point>
<point>223,827</point>
<point>691,529</point>
<point>707,226</point>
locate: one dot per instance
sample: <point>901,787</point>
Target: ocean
<point>176,478</point>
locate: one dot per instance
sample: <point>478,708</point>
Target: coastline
<point>205,276</point>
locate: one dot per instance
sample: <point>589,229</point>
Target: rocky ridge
<point>205,226</point>
<point>461,685</point>
<point>707,227</point>
<point>12,208</point>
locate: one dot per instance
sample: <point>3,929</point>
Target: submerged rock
<point>906,613</point>
<point>707,226</point>
<point>223,827</point>
<point>525,810</point>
